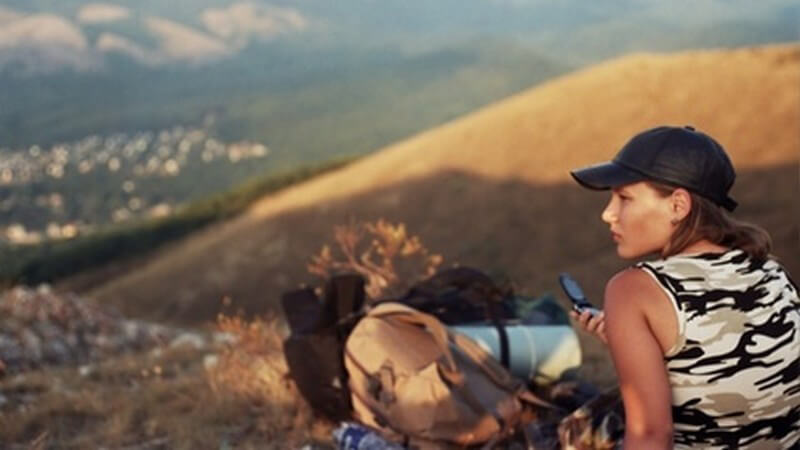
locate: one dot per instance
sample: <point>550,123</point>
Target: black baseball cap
<point>678,156</point>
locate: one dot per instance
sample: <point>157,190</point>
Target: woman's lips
<point>615,236</point>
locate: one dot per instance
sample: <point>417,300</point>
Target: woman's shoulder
<point>633,295</point>
<point>630,286</point>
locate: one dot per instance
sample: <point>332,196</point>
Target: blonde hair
<point>707,220</point>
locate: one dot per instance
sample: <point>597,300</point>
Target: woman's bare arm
<point>639,362</point>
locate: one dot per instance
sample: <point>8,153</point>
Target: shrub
<point>385,254</point>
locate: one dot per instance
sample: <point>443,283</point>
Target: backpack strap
<point>375,406</point>
<point>495,318</point>
<point>496,372</point>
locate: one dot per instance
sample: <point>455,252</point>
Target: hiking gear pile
<point>418,382</point>
<point>396,366</point>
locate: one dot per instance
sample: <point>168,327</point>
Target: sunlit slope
<point>741,97</point>
<point>491,189</point>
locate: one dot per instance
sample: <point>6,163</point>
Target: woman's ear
<point>681,204</point>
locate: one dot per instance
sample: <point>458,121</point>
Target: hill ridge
<point>532,98</point>
<point>489,189</point>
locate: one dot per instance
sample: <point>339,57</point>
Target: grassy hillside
<point>495,185</point>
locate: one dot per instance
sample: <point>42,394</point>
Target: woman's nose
<point>609,215</point>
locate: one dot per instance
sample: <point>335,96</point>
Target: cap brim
<point>606,175</point>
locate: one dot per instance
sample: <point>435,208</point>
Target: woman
<point>705,339</point>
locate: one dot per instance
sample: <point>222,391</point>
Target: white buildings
<point>115,166</point>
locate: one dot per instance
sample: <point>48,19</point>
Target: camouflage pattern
<point>735,370</point>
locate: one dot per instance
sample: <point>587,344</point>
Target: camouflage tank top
<point>735,369</point>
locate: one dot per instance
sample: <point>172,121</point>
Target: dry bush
<point>385,254</point>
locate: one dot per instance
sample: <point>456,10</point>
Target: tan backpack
<point>419,383</point>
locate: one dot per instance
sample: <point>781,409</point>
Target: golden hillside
<point>491,189</point>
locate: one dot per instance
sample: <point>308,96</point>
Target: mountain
<point>491,189</point>
<point>270,70</point>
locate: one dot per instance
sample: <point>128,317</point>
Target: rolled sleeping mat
<point>541,353</point>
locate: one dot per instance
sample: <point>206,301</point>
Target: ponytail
<point>707,220</point>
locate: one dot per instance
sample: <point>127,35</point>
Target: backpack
<point>416,381</point>
<point>314,347</point>
<point>459,295</point>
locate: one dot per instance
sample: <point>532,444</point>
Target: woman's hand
<point>592,323</point>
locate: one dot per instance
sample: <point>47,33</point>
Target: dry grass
<point>165,399</point>
<point>253,371</point>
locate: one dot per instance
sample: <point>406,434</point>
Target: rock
<point>72,340</point>
<point>157,334</point>
<point>210,361</point>
<point>189,339</point>
<point>220,338</point>
<point>11,351</point>
<point>85,370</point>
<point>44,289</point>
<point>131,330</point>
<point>56,351</point>
<point>32,344</point>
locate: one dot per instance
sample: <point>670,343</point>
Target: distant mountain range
<point>72,68</point>
<point>40,36</point>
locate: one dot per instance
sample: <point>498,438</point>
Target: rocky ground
<point>41,328</point>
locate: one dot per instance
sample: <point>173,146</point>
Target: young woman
<point>705,338</point>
